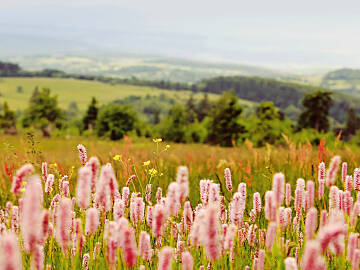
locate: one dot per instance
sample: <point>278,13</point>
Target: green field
<point>81,91</point>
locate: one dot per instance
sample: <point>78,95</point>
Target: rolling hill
<point>81,91</point>
<point>285,95</point>
<point>344,80</point>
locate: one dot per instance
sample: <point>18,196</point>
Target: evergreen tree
<point>204,107</point>
<point>91,114</point>
<point>43,111</point>
<point>8,120</point>
<point>316,113</point>
<point>224,125</point>
<point>191,109</point>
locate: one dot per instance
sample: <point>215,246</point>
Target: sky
<point>277,34</point>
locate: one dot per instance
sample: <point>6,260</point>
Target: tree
<point>115,121</point>
<point>267,111</point>
<point>8,120</point>
<point>173,127</point>
<point>191,109</point>
<point>91,114</point>
<point>267,125</point>
<point>224,125</point>
<point>316,113</point>
<point>352,123</point>
<point>204,107</point>
<point>43,111</point>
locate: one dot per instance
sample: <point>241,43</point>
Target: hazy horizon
<point>277,34</point>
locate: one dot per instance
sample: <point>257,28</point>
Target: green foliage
<point>352,123</point>
<point>115,121</point>
<point>196,133</point>
<point>312,136</point>
<point>174,126</point>
<point>8,119</point>
<point>267,125</point>
<point>224,125</point>
<point>315,115</point>
<point>43,111</point>
<point>91,114</point>
<point>204,107</point>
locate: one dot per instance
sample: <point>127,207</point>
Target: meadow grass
<point>253,166</point>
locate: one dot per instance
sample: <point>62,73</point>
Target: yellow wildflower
<point>117,157</point>
<point>167,147</point>
<point>157,140</point>
<point>153,172</point>
<point>146,163</point>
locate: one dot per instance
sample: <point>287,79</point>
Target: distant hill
<point>251,90</point>
<point>286,96</point>
<point>143,67</point>
<point>345,80</point>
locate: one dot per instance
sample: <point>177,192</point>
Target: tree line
<point>220,122</point>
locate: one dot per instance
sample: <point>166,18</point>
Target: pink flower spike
<point>63,225</point>
<point>19,177</point>
<point>270,235</point>
<point>10,257</point>
<point>332,170</point>
<point>228,179</point>
<point>278,188</point>
<point>343,171</point>
<point>187,261</point>
<point>83,188</point>
<point>82,154</point>
<point>92,221</point>
<point>165,258</point>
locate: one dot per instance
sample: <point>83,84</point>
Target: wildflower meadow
<point>162,206</point>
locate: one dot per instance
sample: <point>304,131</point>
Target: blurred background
<point>188,53</point>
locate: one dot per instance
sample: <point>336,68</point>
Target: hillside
<point>81,91</point>
<point>285,95</point>
<point>141,67</point>
<point>344,80</point>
